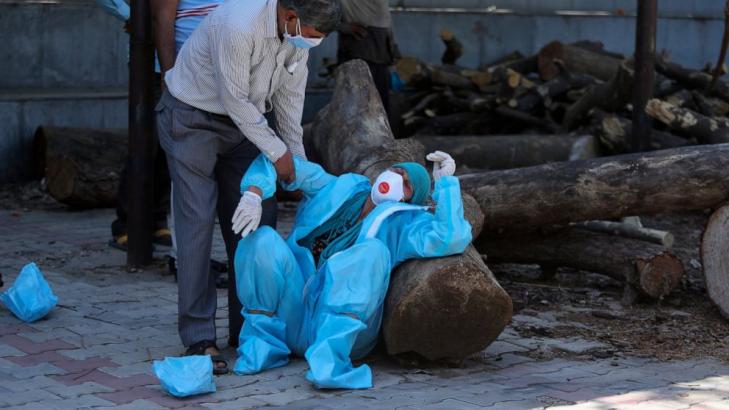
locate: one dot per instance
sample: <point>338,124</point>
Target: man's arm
<point>231,53</point>
<point>164,13</point>
<point>261,178</point>
<point>288,104</point>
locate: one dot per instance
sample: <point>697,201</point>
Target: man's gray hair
<point>323,15</point>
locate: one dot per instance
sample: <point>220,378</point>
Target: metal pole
<point>645,59</point>
<point>141,136</point>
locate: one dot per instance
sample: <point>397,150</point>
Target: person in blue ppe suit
<point>320,293</point>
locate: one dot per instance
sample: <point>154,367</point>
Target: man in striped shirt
<point>246,58</point>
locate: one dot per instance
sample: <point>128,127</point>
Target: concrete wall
<point>64,62</point>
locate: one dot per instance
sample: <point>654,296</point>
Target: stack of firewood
<point>539,105</point>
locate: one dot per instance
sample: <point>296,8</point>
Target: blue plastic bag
<point>30,298</point>
<point>185,376</point>
<point>396,83</point>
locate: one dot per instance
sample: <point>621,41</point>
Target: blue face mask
<point>298,40</point>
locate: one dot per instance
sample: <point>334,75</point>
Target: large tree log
<point>443,308</point>
<point>687,178</point>
<point>689,123</point>
<point>81,165</point>
<point>644,267</point>
<point>502,151</point>
<point>715,258</point>
<point>576,59</point>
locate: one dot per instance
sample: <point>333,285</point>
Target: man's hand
<point>285,168</point>
<point>358,31</point>
<point>248,214</point>
<point>443,164</point>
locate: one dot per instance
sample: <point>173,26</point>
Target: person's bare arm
<point>164,13</point>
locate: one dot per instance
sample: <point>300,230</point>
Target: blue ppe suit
<point>331,314</point>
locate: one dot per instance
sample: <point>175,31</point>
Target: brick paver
<point>96,348</point>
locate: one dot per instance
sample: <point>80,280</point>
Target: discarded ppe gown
<point>185,376</point>
<point>30,298</point>
<point>330,311</point>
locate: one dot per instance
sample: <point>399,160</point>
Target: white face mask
<point>387,187</point>
<point>298,40</point>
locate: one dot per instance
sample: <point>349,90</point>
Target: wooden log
<point>81,165</point>
<point>445,307</point>
<point>502,151</point>
<point>546,93</point>
<point>526,65</point>
<point>710,106</point>
<point>647,268</point>
<point>576,60</point>
<point>628,230</point>
<point>715,258</point>
<point>693,79</point>
<point>417,73</point>
<point>455,124</point>
<point>682,98</point>
<point>528,120</point>
<point>610,96</point>
<point>687,178</point>
<point>442,308</point>
<point>454,48</point>
<point>615,134</point>
<point>689,123</point>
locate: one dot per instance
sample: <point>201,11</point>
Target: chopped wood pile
<point>578,89</point>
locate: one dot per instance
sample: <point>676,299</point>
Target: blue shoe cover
<point>185,376</point>
<point>30,298</point>
<point>330,366</point>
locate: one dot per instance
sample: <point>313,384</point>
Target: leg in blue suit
<point>338,319</point>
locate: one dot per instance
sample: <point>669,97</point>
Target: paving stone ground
<point>96,348</point>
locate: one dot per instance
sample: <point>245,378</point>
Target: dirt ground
<point>577,304</point>
<point>684,325</point>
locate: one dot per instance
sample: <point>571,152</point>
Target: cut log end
<point>547,67</point>
<point>416,323</point>
<point>659,275</point>
<point>715,258</point>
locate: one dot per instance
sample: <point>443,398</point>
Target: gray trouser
<point>207,156</point>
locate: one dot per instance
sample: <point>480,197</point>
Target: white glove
<point>248,214</point>
<point>443,164</point>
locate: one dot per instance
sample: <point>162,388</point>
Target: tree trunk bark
<point>502,151</point>
<point>690,123</point>
<point>643,266</point>
<point>611,96</point>
<point>693,79</point>
<point>442,308</point>
<point>81,165</point>
<point>715,258</point>
<point>615,134</point>
<point>576,59</point>
<point>524,199</point>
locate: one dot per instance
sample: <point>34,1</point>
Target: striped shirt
<point>189,15</point>
<point>234,64</point>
